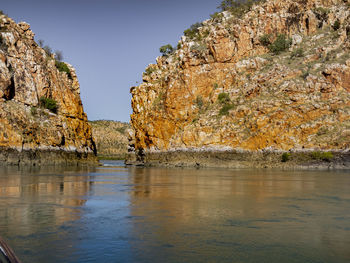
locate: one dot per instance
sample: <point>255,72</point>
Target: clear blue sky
<point>109,42</point>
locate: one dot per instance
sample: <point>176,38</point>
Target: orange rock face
<point>297,99</point>
<point>28,73</point>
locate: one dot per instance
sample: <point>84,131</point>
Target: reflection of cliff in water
<point>33,198</point>
<point>241,210</point>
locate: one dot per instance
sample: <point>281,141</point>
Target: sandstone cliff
<point>224,89</point>
<point>33,131</point>
<point>111,138</point>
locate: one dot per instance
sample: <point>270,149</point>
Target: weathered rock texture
<point>276,103</point>
<point>30,134</point>
<point>111,138</point>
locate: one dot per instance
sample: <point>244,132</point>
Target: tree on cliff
<point>166,50</point>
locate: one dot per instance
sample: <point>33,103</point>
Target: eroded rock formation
<point>29,132</point>
<point>297,100</point>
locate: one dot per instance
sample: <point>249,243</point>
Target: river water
<point>126,214</point>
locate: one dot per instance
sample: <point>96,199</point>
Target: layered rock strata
<point>30,131</point>
<point>224,90</point>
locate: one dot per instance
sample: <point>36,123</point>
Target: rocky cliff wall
<point>111,138</point>
<point>30,131</point>
<point>226,90</point>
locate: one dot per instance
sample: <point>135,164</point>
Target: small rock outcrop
<point>42,120</point>
<point>276,79</point>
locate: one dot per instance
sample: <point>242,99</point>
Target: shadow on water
<point>128,214</point>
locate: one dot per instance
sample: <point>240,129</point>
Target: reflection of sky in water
<point>118,214</point>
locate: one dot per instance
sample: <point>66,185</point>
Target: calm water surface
<point>122,214</point>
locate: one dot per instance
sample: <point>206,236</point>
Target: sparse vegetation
<point>49,104</point>
<point>306,73</point>
<point>285,157</point>
<point>216,16</point>
<point>280,44</point>
<point>193,31</point>
<point>199,102</point>
<point>199,47</point>
<point>297,53</point>
<point>238,7</point>
<point>150,70</point>
<point>33,111</point>
<point>321,10</point>
<point>225,109</point>
<point>224,98</point>
<point>166,50</point>
<point>62,67</point>
<point>159,100</point>
<point>324,156</point>
<point>41,43</point>
<point>48,50</point>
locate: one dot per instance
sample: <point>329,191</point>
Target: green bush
<point>224,98</point>
<point>166,50</point>
<point>336,25</point>
<point>265,40</point>
<point>193,31</point>
<point>225,109</point>
<point>285,157</point>
<point>62,67</point>
<point>49,104</point>
<point>325,156</point>
<point>280,44</point>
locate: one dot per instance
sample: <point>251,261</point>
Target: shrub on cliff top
<point>62,67</point>
<point>193,31</point>
<point>238,7</point>
<point>49,104</point>
<point>166,50</point>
